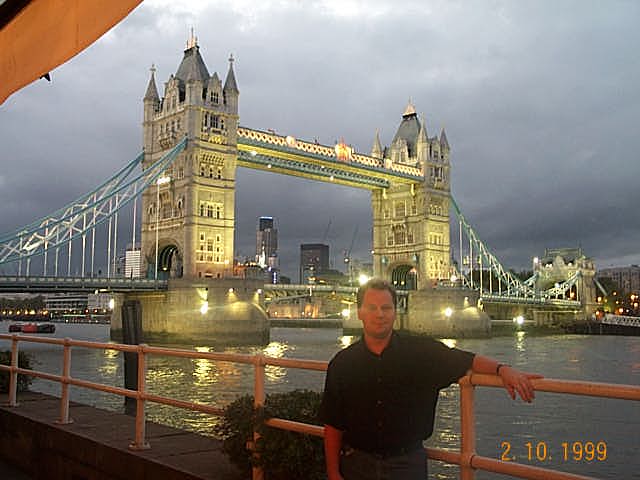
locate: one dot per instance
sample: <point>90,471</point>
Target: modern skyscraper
<point>266,242</point>
<point>314,258</point>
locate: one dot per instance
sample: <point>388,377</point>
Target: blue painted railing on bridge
<point>12,284</point>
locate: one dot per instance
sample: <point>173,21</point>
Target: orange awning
<point>46,33</point>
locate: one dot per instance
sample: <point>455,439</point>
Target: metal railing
<point>467,458</point>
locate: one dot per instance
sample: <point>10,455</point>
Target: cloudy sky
<point>540,101</point>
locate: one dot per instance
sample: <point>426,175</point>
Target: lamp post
<point>160,181</point>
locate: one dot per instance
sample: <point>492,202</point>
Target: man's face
<point>377,313</point>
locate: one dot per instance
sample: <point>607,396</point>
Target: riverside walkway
<point>94,446</point>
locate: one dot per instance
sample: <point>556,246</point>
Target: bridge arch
<point>404,277</point>
<point>170,262</point>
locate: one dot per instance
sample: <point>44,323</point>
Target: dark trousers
<point>360,465</point>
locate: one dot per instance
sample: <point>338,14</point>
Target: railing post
<point>258,403</point>
<point>467,429</point>
<point>140,442</point>
<point>66,374</point>
<point>13,375</point>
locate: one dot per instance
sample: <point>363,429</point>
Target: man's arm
<point>332,445</point>
<point>513,380</point>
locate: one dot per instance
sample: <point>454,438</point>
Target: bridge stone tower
<point>411,244</point>
<point>192,207</point>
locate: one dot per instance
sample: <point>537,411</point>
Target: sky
<point>540,102</point>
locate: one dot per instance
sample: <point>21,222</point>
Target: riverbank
<point>96,444</point>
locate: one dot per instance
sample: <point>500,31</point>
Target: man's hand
<point>517,381</point>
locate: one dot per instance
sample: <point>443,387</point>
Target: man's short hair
<point>376,284</point>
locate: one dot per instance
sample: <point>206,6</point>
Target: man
<point>381,392</point>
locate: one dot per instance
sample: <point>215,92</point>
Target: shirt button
<point>379,379</point>
<point>379,402</point>
<point>379,424</point>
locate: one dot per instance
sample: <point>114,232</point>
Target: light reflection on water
<point>551,418</point>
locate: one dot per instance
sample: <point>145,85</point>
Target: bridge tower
<point>188,217</point>
<point>411,244</point>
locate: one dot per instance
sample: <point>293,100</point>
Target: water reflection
<point>276,350</point>
<point>520,341</point>
<point>346,340</point>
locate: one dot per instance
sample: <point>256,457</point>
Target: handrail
<point>467,458</point>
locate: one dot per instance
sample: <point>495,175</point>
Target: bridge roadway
<point>24,284</point>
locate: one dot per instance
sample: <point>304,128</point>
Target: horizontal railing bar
<point>224,357</point>
<point>523,471</point>
<point>298,427</point>
<point>573,387</point>
<point>173,402</point>
<point>104,388</point>
<point>444,455</point>
<point>295,363</point>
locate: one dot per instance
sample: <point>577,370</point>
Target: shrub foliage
<point>284,455</point>
<point>24,361</point>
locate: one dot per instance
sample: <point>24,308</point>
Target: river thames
<point>552,432</point>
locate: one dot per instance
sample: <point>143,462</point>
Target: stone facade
<point>411,240</point>
<point>193,203</point>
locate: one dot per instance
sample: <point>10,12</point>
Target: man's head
<point>377,309</point>
<point>376,284</point>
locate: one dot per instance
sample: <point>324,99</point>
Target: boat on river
<point>33,327</point>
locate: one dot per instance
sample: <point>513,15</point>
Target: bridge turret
<point>230,90</point>
<point>422,145</point>
<point>411,221</point>
<point>376,150</point>
<point>195,223</point>
<point>151,102</point>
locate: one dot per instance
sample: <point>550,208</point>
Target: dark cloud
<point>539,101</point>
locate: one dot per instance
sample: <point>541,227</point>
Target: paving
<point>174,453</point>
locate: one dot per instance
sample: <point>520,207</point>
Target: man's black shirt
<point>386,403</point>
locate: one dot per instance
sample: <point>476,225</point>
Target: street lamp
<point>160,181</point>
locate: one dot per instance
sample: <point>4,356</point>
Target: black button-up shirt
<point>385,403</point>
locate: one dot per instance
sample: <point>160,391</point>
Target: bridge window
<point>390,240</point>
<point>399,236</point>
<point>410,237</point>
<point>215,121</point>
<point>385,213</point>
<point>209,210</point>
<point>399,209</point>
<point>414,208</point>
<point>215,98</point>
<point>219,172</point>
<point>210,171</point>
<point>218,210</point>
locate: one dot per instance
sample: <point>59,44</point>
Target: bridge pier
<point>202,311</point>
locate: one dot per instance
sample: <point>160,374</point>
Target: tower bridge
<point>185,183</point>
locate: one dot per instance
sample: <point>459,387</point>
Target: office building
<point>266,243</point>
<point>314,259</point>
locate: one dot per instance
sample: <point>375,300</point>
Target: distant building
<point>314,259</point>
<point>627,278</point>
<point>133,263</point>
<point>266,243</point>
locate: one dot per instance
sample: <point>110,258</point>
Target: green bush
<point>24,361</point>
<point>284,455</point>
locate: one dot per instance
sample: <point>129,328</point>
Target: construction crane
<point>347,256</point>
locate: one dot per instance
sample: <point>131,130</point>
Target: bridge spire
<point>410,110</point>
<point>443,140</point>
<point>376,151</point>
<point>230,84</point>
<point>152,91</point>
